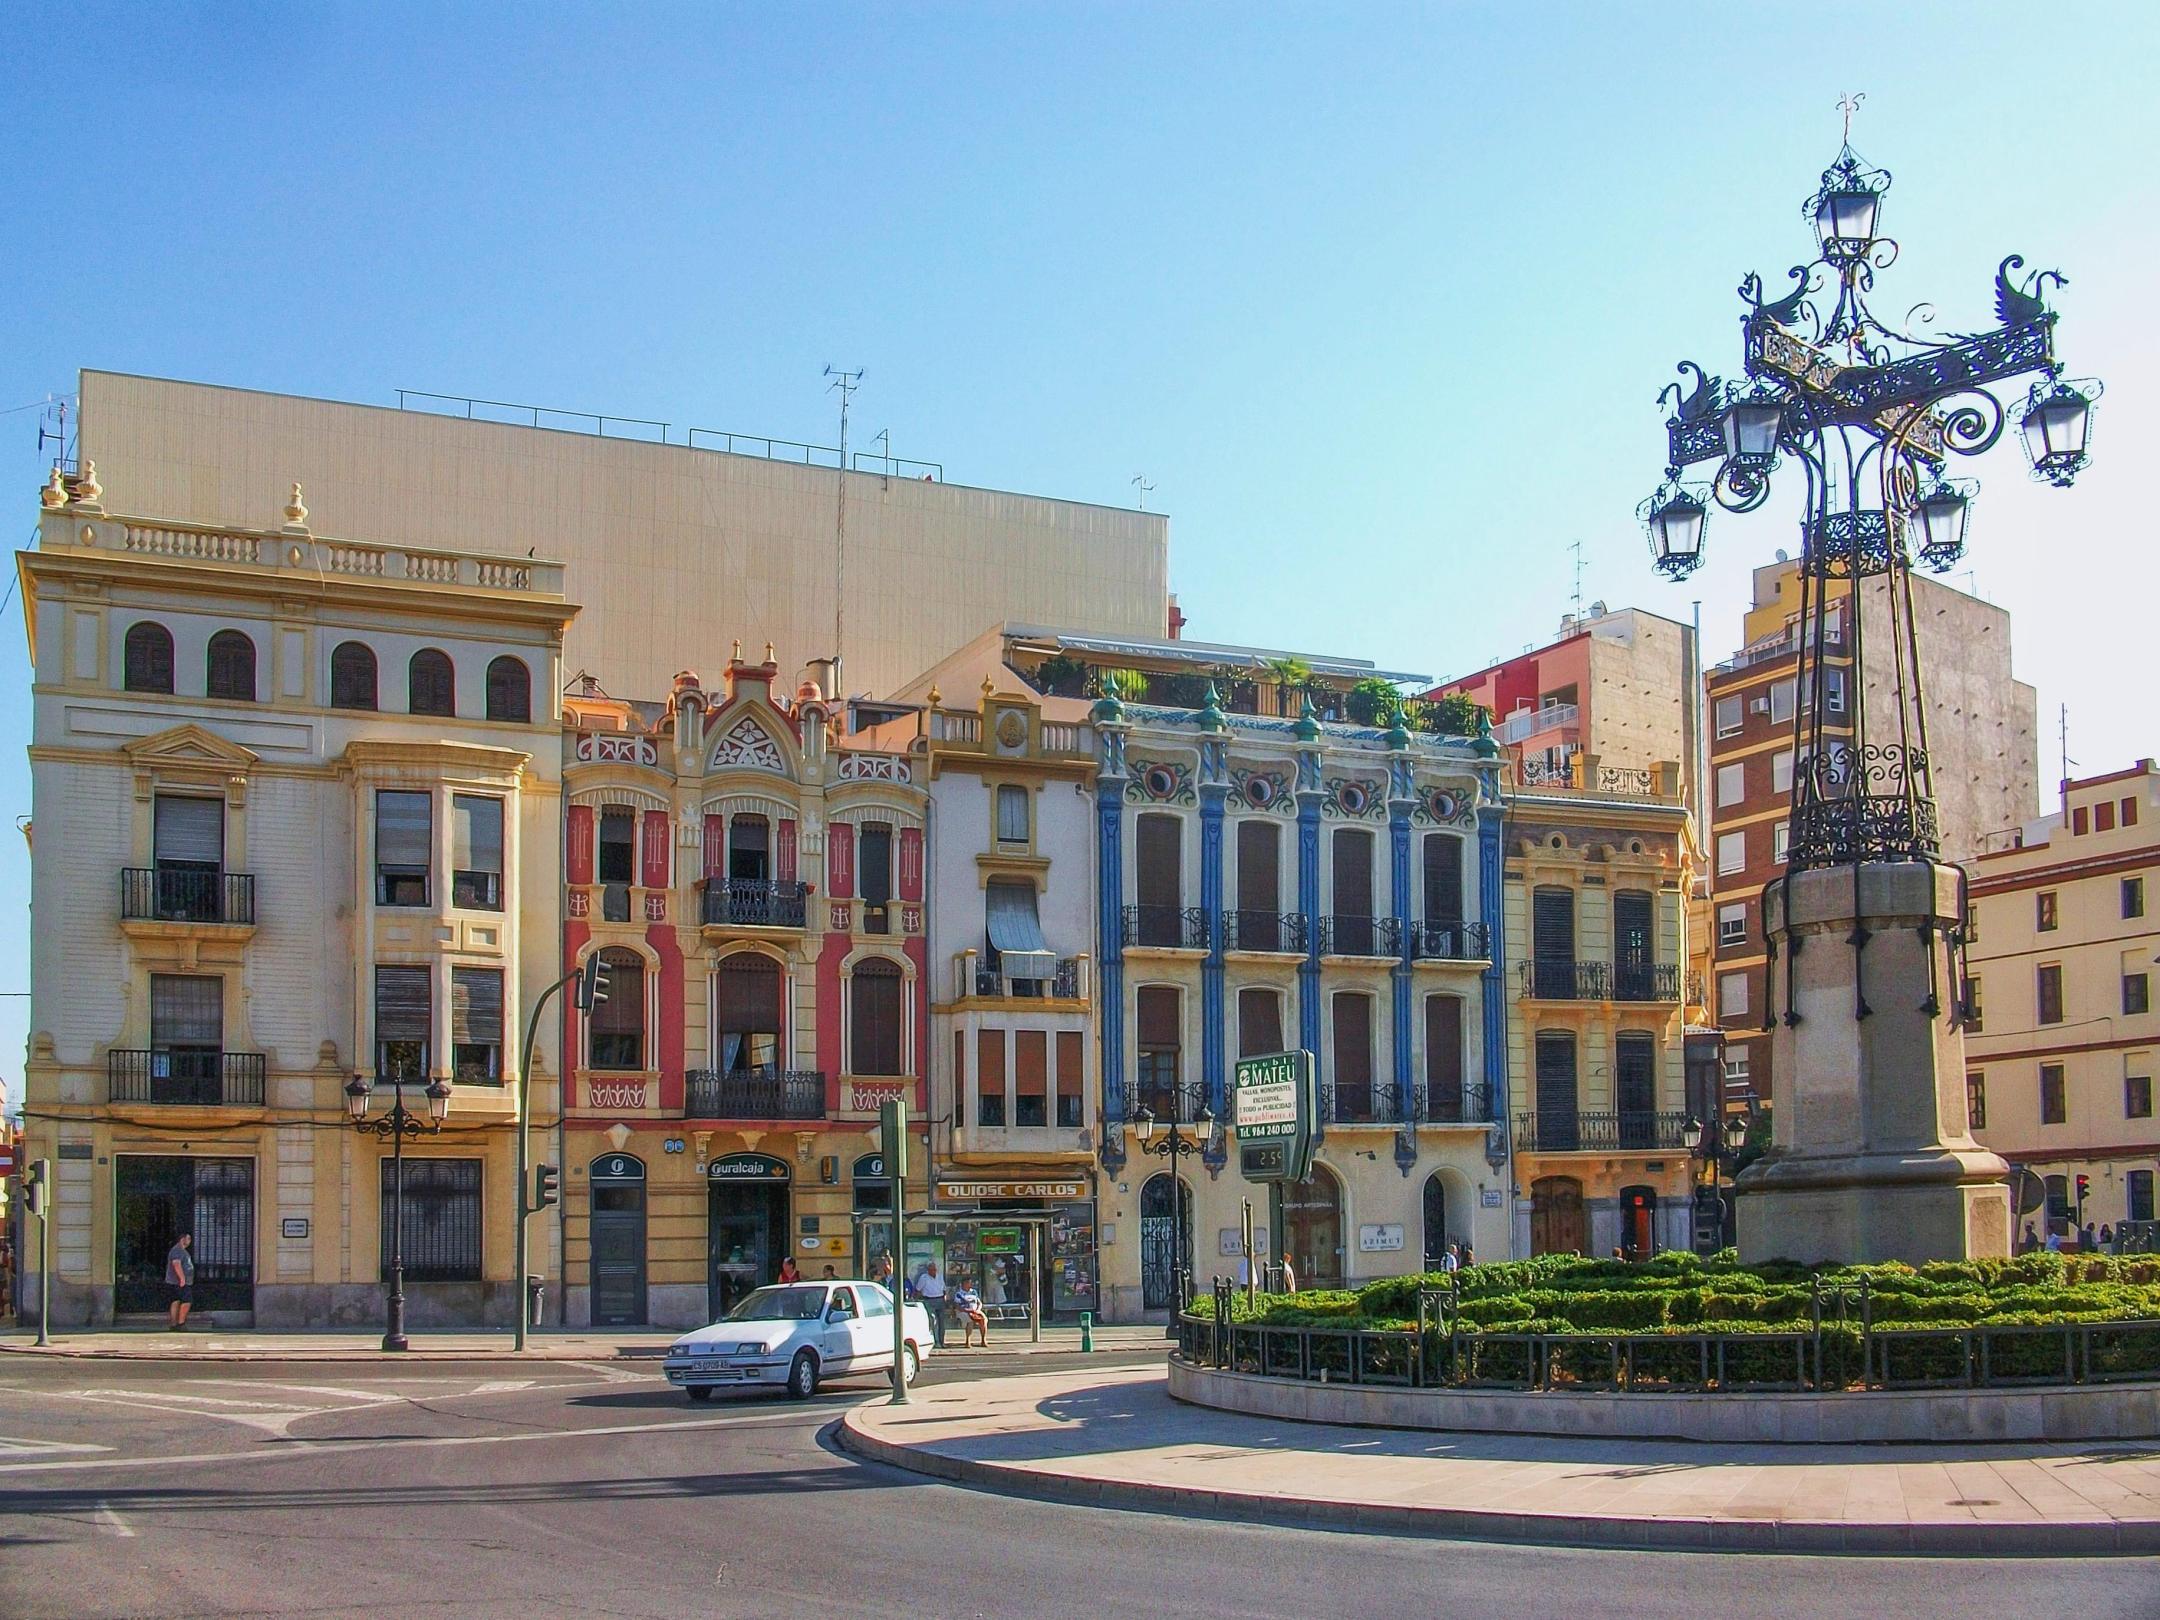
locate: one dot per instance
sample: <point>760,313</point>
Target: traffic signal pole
<point>526,1204</point>
<point>40,1202</point>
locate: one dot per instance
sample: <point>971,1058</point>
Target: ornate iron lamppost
<point>1871,412</point>
<point>395,1126</point>
<point>1714,1148</point>
<point>1172,1146</point>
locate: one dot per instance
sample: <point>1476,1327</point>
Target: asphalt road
<point>528,1489</point>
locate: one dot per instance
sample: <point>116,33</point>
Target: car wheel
<point>802,1376</point>
<point>699,1392</point>
<point>910,1364</point>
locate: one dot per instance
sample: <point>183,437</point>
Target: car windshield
<point>780,1305</point>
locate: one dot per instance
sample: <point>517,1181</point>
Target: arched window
<point>509,690</point>
<point>874,1041</point>
<point>352,676</point>
<point>232,666</point>
<point>147,661</point>
<point>618,1023</point>
<point>748,995</point>
<point>433,684</point>
<point>1436,1234</point>
<point>1166,1247</point>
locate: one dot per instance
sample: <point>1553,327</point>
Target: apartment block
<point>2062,1037</point>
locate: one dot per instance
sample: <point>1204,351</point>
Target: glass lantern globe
<point>1845,221</point>
<point>1691,1134</point>
<point>1144,1123</point>
<point>1736,1129</point>
<point>1674,518</point>
<point>1943,513</point>
<point>356,1098</point>
<point>1750,426</point>
<point>438,1100</point>
<point>2057,426</point>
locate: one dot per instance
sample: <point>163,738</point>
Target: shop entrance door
<point>156,1198</point>
<point>1638,1222</point>
<point>1313,1229</point>
<point>618,1240</point>
<point>746,1234</point>
<point>1165,1240</point>
<point>1556,1216</point>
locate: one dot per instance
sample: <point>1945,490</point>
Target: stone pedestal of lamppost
<point>1871,1158</point>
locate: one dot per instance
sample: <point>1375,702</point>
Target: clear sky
<point>1379,298</point>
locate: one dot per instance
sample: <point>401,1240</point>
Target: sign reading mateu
<point>1276,1099</point>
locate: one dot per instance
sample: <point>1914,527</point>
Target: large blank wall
<point>673,553</point>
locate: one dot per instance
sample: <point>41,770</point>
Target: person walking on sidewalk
<point>930,1289</point>
<point>180,1278</point>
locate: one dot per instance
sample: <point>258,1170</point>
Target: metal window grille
<point>441,1226</point>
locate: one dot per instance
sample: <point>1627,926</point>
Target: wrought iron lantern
<point>1675,518</point>
<point>1750,426</point>
<point>1942,513</point>
<point>356,1098</point>
<point>1736,1129</point>
<point>438,1100</point>
<point>1845,220</point>
<point>2057,425</point>
<point>1691,1134</point>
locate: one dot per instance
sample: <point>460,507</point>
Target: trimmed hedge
<point>1680,1293</point>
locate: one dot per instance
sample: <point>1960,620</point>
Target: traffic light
<point>547,1185</point>
<point>592,986</point>
<point>37,1186</point>
<point>2084,1186</point>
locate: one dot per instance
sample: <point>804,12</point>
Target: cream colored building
<point>295,803</point>
<point>660,543</point>
<point>2060,1055</point>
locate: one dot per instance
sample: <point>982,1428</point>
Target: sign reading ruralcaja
<point>1275,1100</point>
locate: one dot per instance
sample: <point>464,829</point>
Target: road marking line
<point>503,1386</point>
<point>375,1398</point>
<point>300,1448</point>
<point>111,1522</point>
<point>16,1446</point>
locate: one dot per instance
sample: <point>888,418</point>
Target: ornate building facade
<point>755,885</point>
<point>296,803</point>
<point>1265,885</point>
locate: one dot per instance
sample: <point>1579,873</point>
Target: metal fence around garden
<point>1835,1347</point>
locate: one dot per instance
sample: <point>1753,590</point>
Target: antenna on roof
<point>844,383</point>
<point>1140,483</point>
<point>56,413</point>
<point>2062,728</point>
<point>1577,549</point>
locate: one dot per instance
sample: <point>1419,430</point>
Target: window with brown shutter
<point>1071,1078</point>
<point>1259,1022</point>
<point>404,847</point>
<point>990,1077</point>
<point>1031,1077</point>
<point>404,1010</point>
<point>476,1025</point>
<point>1443,1057</point>
<point>431,684</point>
<point>874,1043</point>
<point>147,658</point>
<point>1353,1056</point>
<point>509,690</point>
<point>230,667</point>
<point>618,1023</point>
<point>749,1007</point>
<point>352,676</point>
<point>1160,1024</point>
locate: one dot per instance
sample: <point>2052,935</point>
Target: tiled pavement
<point>1114,1437</point>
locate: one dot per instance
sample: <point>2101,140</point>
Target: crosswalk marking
<point>18,1446</point>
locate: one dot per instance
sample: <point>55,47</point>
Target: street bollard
<point>1087,1330</point>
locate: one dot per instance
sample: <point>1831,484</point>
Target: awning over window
<point>1016,933</point>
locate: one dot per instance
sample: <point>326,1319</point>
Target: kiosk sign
<point>1275,1103</point>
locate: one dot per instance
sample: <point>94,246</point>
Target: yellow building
<point>1597,880</point>
<point>298,799</point>
<point>2062,1040</point>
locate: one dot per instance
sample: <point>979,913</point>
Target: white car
<point>797,1335</point>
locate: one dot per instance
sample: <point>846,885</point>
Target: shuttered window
<point>404,1010</point>
<point>1259,1023</point>
<point>1353,1057</point>
<point>874,843</point>
<point>352,676</point>
<point>990,1077</point>
<point>509,690</point>
<point>230,671</point>
<point>618,845</point>
<point>189,833</point>
<point>1012,814</point>
<point>1161,1015</point>
<point>1443,1057</point>
<point>1443,878</point>
<point>476,852</point>
<point>749,1009</point>
<point>146,660</point>
<point>1259,882</point>
<point>1031,1077</point>
<point>404,847</point>
<point>431,683</point>
<point>476,1025</point>
<point>618,1023</point>
<point>186,1010</point>
<point>1353,873</point>
<point>1070,1078</point>
<point>874,991</point>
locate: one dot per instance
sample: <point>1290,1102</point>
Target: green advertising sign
<point>1274,1102</point>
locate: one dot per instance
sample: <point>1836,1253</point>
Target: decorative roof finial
<point>296,511</point>
<point>936,697</point>
<point>1211,715</point>
<point>735,653</point>
<point>1397,735</point>
<point>54,493</point>
<point>987,688</point>
<point>1108,710</point>
<point>768,652</point>
<point>1848,104</point>
<point>87,489</point>
<point>1485,747</point>
<point>1308,723</point>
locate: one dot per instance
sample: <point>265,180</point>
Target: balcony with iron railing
<point>1375,1102</point>
<point>753,903</point>
<point>754,1094</point>
<point>1455,1105</point>
<point>977,974</point>
<point>1568,1130</point>
<point>1359,936</point>
<point>187,1076</point>
<point>1449,942</point>
<point>1600,981</point>
<point>1281,932</point>
<point>1171,928</point>
<point>166,894</point>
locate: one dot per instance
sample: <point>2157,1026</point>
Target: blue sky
<point>1378,297</point>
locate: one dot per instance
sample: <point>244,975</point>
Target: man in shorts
<point>180,1279</point>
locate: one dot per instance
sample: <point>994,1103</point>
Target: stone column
<point>1871,1157</point>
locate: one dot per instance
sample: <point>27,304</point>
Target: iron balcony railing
<point>1359,936</point>
<point>1448,941</point>
<point>754,1094</point>
<point>1062,985</point>
<point>1600,981</point>
<point>1569,1130</point>
<point>191,1076</point>
<point>1374,1102</point>
<point>1167,927</point>
<point>1646,981</point>
<point>1281,931</point>
<point>164,894</point>
<point>1457,1105</point>
<point>1185,1103</point>
<point>753,903</point>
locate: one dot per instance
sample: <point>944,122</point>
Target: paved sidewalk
<point>1113,1437</point>
<point>210,1344</point>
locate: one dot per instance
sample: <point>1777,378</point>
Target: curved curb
<point>2056,1539</point>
